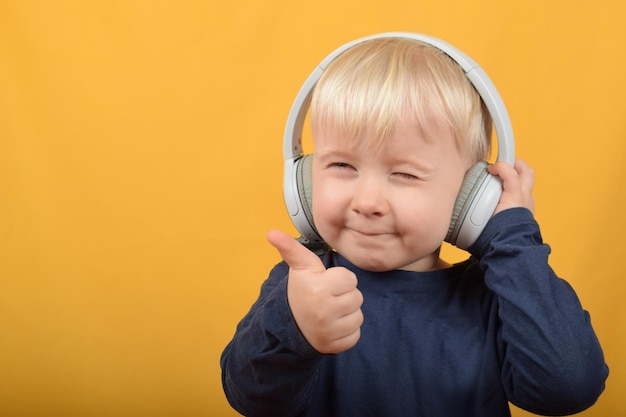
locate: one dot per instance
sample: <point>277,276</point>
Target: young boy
<point>380,325</point>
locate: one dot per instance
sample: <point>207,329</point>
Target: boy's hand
<point>325,303</point>
<point>517,184</point>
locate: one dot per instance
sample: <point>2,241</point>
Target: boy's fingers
<point>296,255</point>
<point>526,173</point>
<point>519,175</point>
<point>502,169</point>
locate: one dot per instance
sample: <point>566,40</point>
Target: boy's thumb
<point>294,253</point>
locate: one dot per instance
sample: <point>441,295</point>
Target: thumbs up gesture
<point>325,303</point>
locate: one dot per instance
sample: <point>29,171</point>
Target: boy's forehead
<point>364,134</point>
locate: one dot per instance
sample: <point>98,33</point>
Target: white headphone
<point>480,191</point>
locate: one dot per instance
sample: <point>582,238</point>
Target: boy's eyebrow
<point>334,153</point>
<point>413,161</point>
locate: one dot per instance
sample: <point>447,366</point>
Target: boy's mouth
<point>363,231</point>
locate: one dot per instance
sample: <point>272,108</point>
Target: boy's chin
<point>371,264</point>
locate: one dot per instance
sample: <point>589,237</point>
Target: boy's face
<point>387,209</point>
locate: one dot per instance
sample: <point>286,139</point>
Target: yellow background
<point>140,168</point>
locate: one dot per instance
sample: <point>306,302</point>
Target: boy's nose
<point>369,198</point>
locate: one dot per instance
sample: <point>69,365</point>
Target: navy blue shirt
<point>462,341</point>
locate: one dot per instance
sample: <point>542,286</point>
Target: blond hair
<point>368,88</point>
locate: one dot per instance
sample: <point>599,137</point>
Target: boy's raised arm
<point>552,362</point>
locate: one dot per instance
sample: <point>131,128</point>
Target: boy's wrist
<point>506,219</point>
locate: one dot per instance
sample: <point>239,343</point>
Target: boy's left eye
<point>406,176</point>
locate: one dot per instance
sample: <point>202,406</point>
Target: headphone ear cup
<point>474,206</point>
<point>304,184</point>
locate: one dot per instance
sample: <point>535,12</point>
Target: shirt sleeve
<point>268,368</point>
<point>552,362</point>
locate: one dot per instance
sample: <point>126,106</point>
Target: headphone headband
<point>292,143</point>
